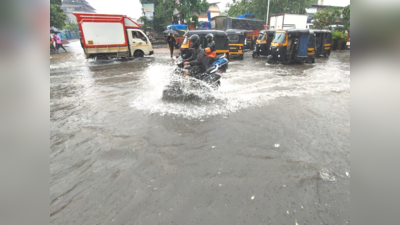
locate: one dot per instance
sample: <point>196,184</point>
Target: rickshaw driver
<point>198,59</point>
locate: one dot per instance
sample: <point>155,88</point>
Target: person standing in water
<point>171,42</point>
<point>59,43</point>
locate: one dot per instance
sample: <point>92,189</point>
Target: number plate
<point>90,42</point>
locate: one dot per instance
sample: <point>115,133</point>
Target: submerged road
<point>271,147</point>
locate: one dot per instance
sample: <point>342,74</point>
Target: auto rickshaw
<point>263,43</point>
<point>220,39</point>
<point>249,41</point>
<point>312,47</point>
<point>323,41</point>
<point>236,42</point>
<point>291,46</point>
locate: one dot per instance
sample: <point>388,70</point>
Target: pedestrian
<point>171,42</point>
<point>59,43</point>
<point>52,48</point>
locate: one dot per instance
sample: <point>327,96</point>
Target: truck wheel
<point>138,54</point>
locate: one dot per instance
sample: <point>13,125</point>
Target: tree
<point>326,17</point>
<point>346,16</point>
<point>164,11</point>
<point>259,7</point>
<point>187,7</point>
<point>57,16</point>
<point>72,26</point>
<point>162,15</point>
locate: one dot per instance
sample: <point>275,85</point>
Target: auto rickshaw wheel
<point>241,56</point>
<point>327,54</point>
<point>255,55</point>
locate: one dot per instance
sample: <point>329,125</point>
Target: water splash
<point>240,89</point>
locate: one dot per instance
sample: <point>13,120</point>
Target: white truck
<point>287,21</point>
<point>105,36</point>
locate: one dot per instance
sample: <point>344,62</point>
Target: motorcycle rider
<point>198,60</point>
<point>210,50</point>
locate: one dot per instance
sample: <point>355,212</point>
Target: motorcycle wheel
<point>223,68</point>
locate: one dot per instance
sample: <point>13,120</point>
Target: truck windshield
<point>279,38</point>
<point>262,37</point>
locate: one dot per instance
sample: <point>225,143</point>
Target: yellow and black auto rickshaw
<point>323,41</point>
<point>236,42</point>
<point>263,43</point>
<point>220,39</point>
<point>291,46</point>
<point>312,47</point>
<point>249,41</point>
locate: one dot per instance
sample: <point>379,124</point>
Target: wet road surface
<point>272,145</point>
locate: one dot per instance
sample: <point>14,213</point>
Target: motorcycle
<point>182,86</point>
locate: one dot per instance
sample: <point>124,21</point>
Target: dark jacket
<point>171,40</point>
<point>211,45</point>
<point>198,58</point>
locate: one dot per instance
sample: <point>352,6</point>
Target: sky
<point>133,8</point>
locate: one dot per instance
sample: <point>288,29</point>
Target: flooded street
<point>271,145</point>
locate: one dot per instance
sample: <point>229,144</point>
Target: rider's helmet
<point>209,37</point>
<point>195,40</point>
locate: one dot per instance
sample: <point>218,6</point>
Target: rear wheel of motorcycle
<point>223,68</point>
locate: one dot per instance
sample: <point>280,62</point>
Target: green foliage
<point>346,16</point>
<point>72,27</point>
<point>187,7</point>
<point>338,35</point>
<point>57,16</point>
<point>326,17</point>
<point>259,7</point>
<point>164,11</point>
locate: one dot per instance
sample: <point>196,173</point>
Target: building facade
<point>70,6</point>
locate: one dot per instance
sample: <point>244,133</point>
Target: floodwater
<point>271,146</point>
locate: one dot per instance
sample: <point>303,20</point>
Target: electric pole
<point>267,13</point>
